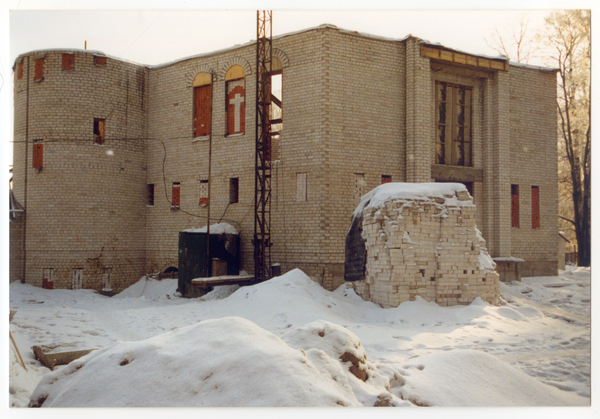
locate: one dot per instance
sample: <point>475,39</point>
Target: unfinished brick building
<point>110,157</point>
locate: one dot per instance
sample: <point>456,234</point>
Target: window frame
<point>445,152</point>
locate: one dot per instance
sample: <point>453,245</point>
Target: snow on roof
<point>219,228</point>
<point>413,192</point>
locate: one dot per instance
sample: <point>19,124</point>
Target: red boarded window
<point>236,107</point>
<point>39,70</point>
<point>19,71</point>
<point>175,194</point>
<point>535,207</point>
<point>514,205</point>
<point>99,60</point>
<point>68,61</point>
<point>385,179</point>
<point>202,111</point>
<point>38,155</point>
<point>99,130</point>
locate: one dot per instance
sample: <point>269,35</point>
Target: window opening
<point>47,280</point>
<point>535,207</point>
<point>20,71</point>
<point>39,69</point>
<point>99,60</point>
<point>233,190</point>
<point>150,194</point>
<point>202,105</point>
<point>235,105</point>
<point>514,207</point>
<point>77,279</point>
<point>385,179</point>
<point>106,279</point>
<point>68,61</point>
<point>203,193</point>
<point>175,195</point>
<point>38,154</point>
<point>99,130</point>
<point>453,124</point>
<point>301,187</point>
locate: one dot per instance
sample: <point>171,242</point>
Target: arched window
<point>235,106</point>
<point>202,105</point>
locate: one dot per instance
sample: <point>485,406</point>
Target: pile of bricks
<point>428,247</point>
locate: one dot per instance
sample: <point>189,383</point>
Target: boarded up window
<point>301,187</point>
<point>99,130</point>
<point>47,280</point>
<point>77,279</point>
<point>39,69</point>
<point>202,108</point>
<point>20,71</point>
<point>535,207</point>
<point>68,61</point>
<point>360,186</point>
<point>175,196</point>
<point>203,192</point>
<point>106,279</point>
<point>99,60</point>
<point>236,106</point>
<point>233,190</point>
<point>385,179</point>
<point>150,194</point>
<point>38,154</point>
<point>453,124</point>
<point>514,205</point>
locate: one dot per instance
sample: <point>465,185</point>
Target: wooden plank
<point>223,280</point>
<point>45,354</point>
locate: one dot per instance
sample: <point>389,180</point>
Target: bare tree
<point>566,37</point>
<point>514,43</point>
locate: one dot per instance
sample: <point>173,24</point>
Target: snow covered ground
<point>289,342</point>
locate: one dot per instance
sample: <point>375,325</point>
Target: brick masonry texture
<point>354,107</point>
<point>429,248</point>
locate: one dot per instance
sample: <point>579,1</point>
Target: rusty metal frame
<point>262,179</point>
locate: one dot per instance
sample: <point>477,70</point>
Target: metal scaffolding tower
<point>262,178</point>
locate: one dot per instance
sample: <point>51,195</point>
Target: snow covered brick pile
<point>421,240</point>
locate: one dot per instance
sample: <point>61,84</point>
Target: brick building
<point>110,157</point>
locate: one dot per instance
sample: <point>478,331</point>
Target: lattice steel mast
<point>262,178</point>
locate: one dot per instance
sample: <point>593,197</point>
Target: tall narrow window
<point>233,190</point>
<point>453,124</point>
<point>175,195</point>
<point>39,69</point>
<point>202,105</point>
<point>20,71</point>
<point>68,61</point>
<point>38,154</point>
<point>99,128</point>
<point>235,105</point>
<point>47,280</point>
<point>77,279</point>
<point>385,179</point>
<point>535,207</point>
<point>106,279</point>
<point>514,205</point>
<point>204,192</point>
<point>276,109</point>
<point>301,187</point>
<point>150,194</point>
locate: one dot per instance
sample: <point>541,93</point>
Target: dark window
<point>99,127</point>
<point>535,207</point>
<point>150,194</point>
<point>453,124</point>
<point>514,205</point>
<point>99,60</point>
<point>385,179</point>
<point>233,190</point>
<point>38,154</point>
<point>68,61</point>
<point>39,69</point>
<point>175,195</point>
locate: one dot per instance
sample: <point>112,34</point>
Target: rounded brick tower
<point>79,170</point>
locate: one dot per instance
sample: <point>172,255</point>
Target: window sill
<point>235,135</point>
<point>204,138</point>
